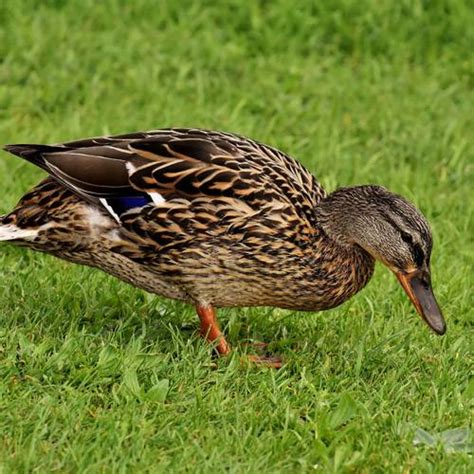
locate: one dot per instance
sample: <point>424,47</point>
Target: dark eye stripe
<point>418,255</point>
<point>416,250</point>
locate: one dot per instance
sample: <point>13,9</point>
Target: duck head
<point>391,230</point>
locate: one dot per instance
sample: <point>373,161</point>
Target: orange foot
<point>211,331</point>
<point>272,362</point>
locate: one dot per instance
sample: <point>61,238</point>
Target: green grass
<point>96,376</point>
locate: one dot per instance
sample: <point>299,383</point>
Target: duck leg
<point>210,328</point>
<point>211,331</point>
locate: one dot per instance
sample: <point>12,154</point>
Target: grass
<point>96,376</point>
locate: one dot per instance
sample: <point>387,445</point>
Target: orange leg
<point>211,331</point>
<point>210,328</point>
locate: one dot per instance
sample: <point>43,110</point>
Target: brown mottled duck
<point>217,220</point>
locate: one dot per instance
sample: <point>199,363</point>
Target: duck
<point>217,220</point>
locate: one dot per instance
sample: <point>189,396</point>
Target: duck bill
<point>417,286</point>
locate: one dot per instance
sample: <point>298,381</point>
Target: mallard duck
<point>218,220</point>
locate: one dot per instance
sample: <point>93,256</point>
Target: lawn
<point>96,376</point>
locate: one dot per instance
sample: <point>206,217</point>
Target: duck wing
<point>178,163</point>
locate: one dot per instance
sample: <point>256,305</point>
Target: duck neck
<point>336,272</point>
<point>346,215</point>
<point>344,262</point>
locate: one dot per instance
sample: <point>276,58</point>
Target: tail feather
<point>12,232</point>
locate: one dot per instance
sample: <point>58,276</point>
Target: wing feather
<point>182,163</point>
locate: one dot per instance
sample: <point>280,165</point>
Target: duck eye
<point>406,237</point>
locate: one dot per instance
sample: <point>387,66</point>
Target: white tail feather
<point>12,232</point>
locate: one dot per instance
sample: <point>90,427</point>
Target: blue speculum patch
<point>123,204</point>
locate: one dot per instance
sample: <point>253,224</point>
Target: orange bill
<point>417,286</point>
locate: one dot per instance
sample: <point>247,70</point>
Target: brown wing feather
<point>186,163</point>
<point>215,165</point>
